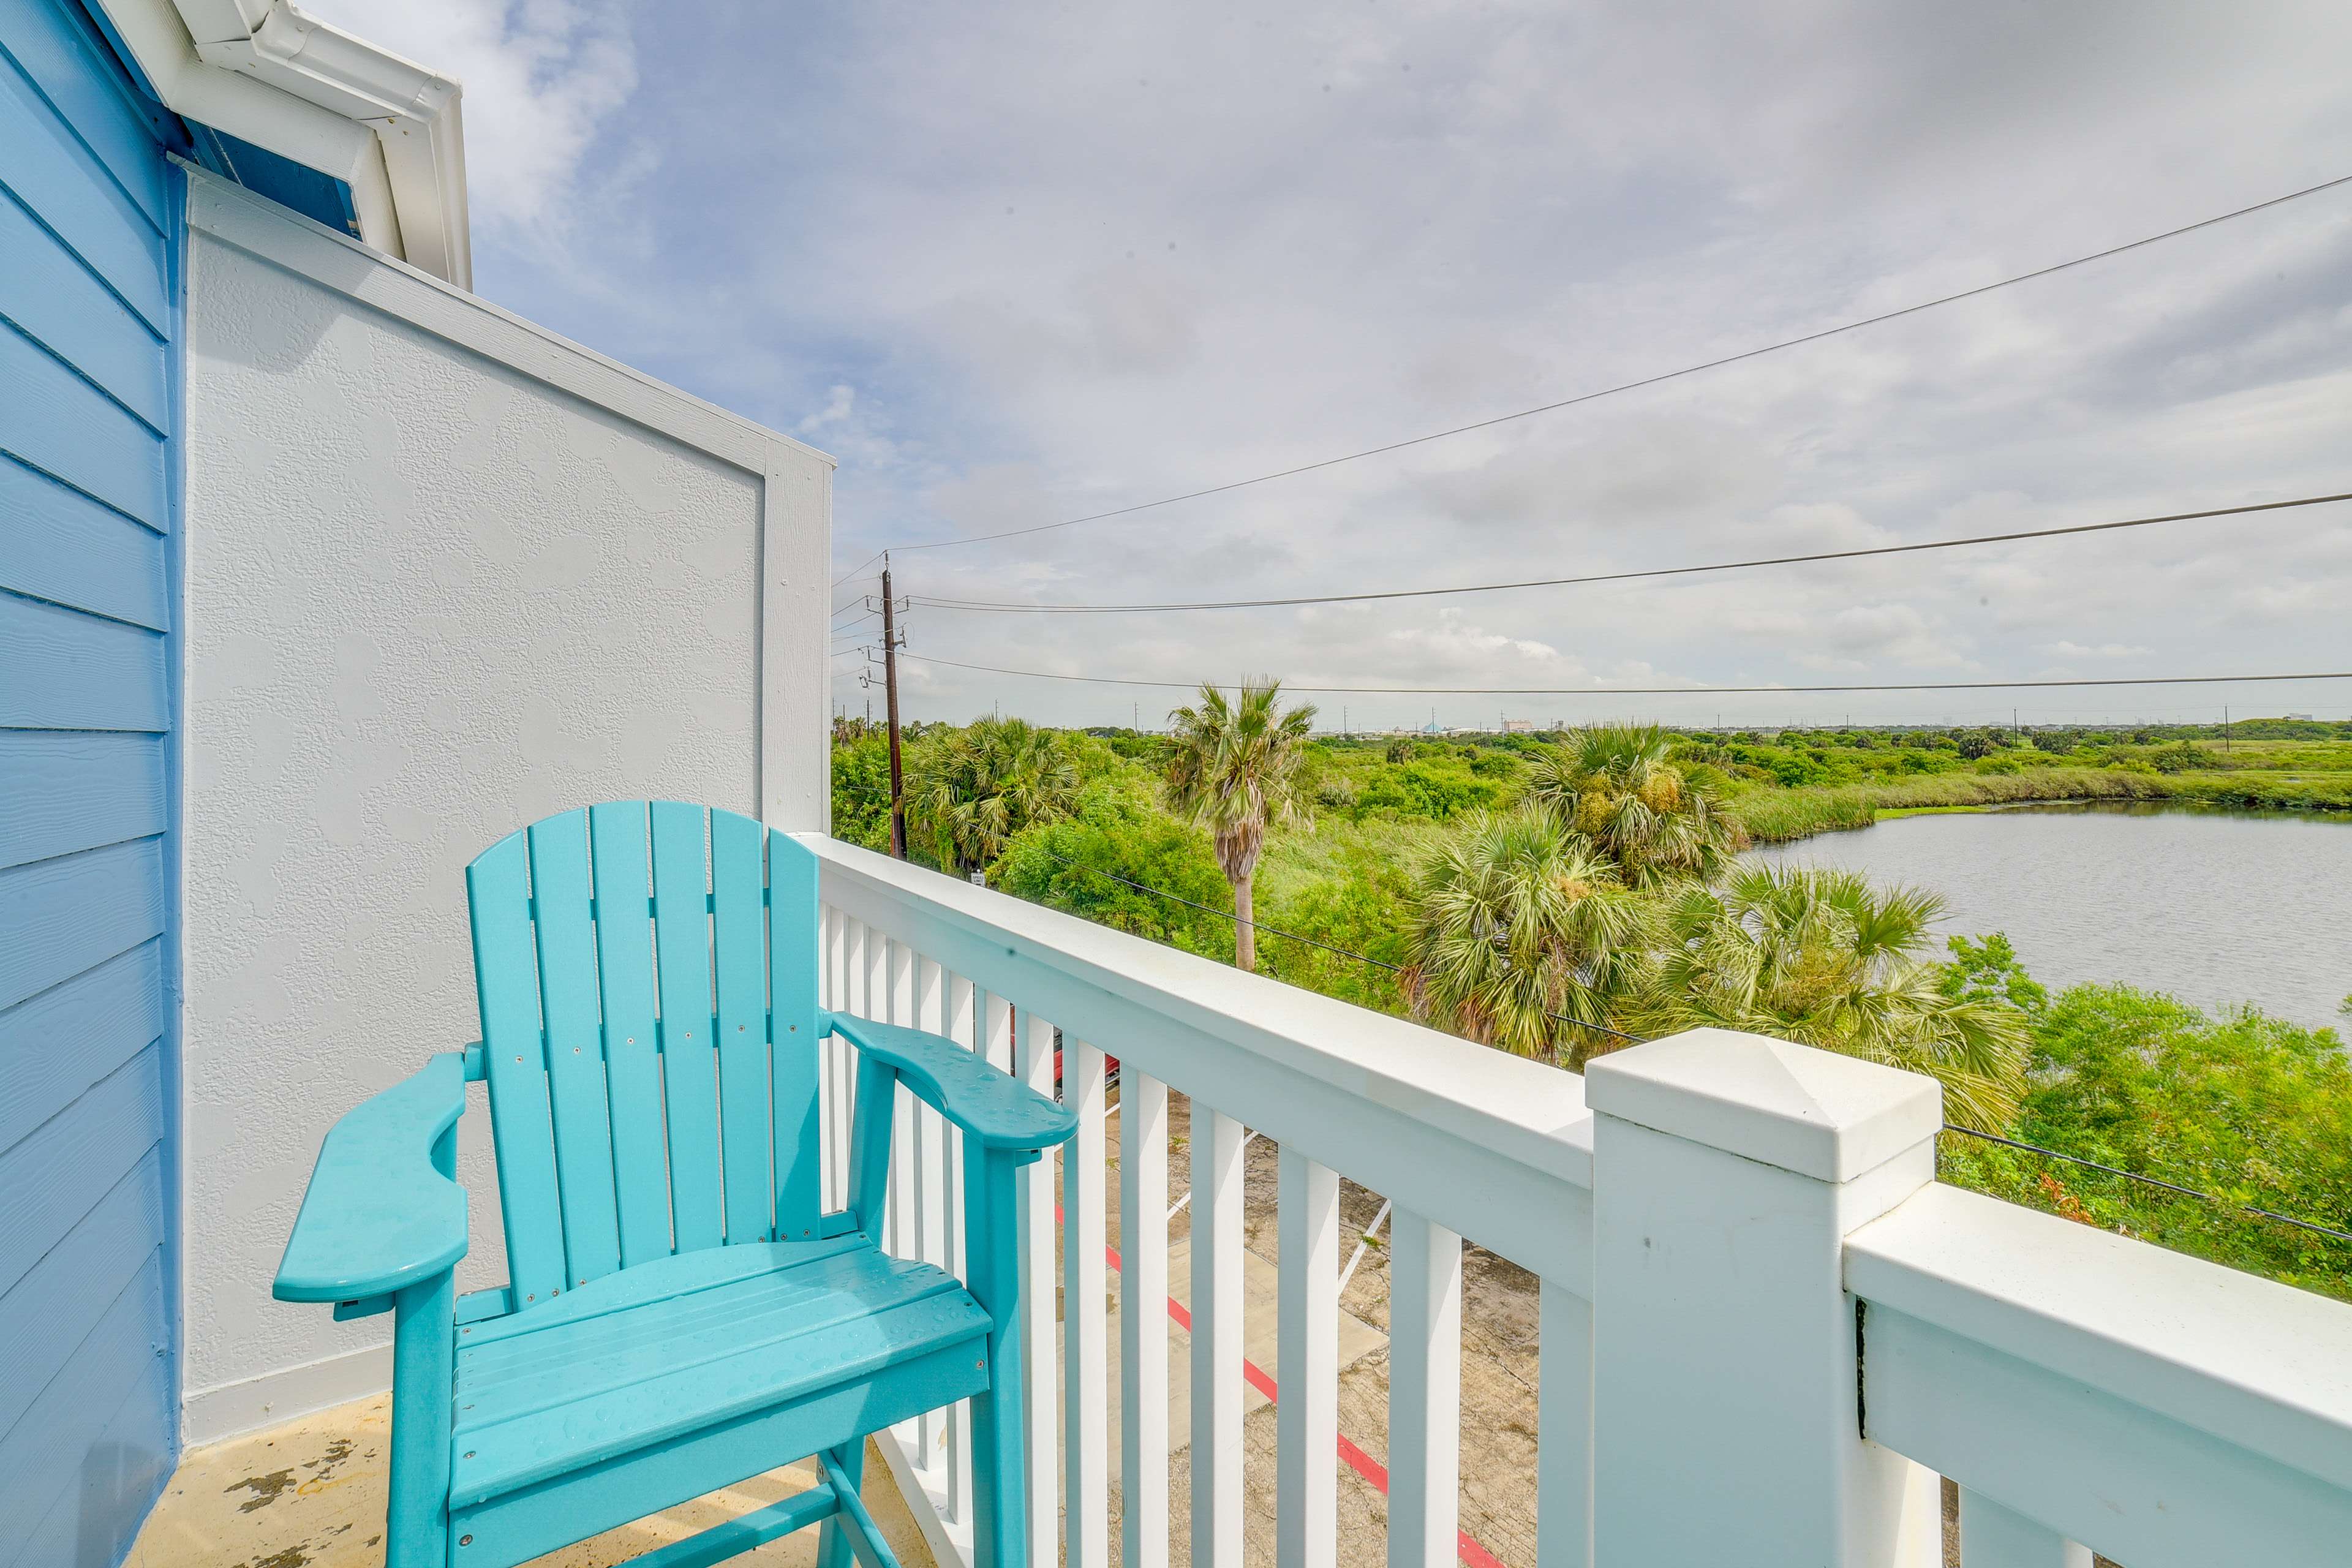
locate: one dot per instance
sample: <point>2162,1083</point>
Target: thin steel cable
<point>1660,690</point>
<point>861,566</point>
<point>2325,1230</point>
<point>1293,936</point>
<point>1646,381</point>
<point>1006,607</point>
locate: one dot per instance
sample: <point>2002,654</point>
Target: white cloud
<point>543,78</point>
<point>2105,650</point>
<point>1014,268</point>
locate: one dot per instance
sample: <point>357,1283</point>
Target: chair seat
<point>647,1359</point>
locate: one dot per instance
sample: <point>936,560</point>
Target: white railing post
<point>1564,1430</point>
<point>1216,1289</point>
<point>1040,1411</point>
<point>929,1130</point>
<point>1306,1359</point>
<point>1424,1392</point>
<point>1993,1537</point>
<point>1728,1170</point>
<point>1143,1319</point>
<point>960,1030</point>
<point>1086,1302</point>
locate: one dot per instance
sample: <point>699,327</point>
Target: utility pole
<point>890,697</point>
<point>2225,726</point>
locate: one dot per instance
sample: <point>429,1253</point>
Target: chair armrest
<point>995,1110</point>
<point>383,1211</point>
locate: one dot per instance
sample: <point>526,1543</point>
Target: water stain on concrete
<point>231,1506</point>
<point>266,1489</point>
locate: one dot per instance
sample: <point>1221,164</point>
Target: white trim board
<point>229,1409</point>
<point>263,229</point>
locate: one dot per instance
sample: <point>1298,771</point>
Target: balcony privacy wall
<point>89,352</point>
<point>449,573</point>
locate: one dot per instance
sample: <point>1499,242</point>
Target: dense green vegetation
<point>1532,890</point>
<point>1798,782</point>
<point>2252,1109</point>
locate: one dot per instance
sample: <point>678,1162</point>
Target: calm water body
<point>2214,906</point>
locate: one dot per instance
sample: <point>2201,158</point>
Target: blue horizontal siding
<point>61,424</point>
<point>57,302</point>
<point>74,790</point>
<point>60,917</point>
<point>72,671</point>
<point>74,194</point>
<point>55,1045</point>
<point>94,1521</point>
<point>45,1316</point>
<point>54,1445</point>
<point>84,92</point>
<point>49,1181</point>
<point>90,401</point>
<point>57,544</point>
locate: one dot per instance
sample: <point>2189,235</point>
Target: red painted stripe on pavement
<point>1363,1463</point>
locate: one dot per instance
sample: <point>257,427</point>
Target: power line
<point>2158,1182</point>
<point>1646,381</point>
<point>861,566</point>
<point>1661,691</point>
<point>1007,606</point>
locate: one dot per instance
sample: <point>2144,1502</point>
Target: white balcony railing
<point>1791,1313</point>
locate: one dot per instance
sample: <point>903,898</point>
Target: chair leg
<point>832,1547</point>
<point>424,1354</point>
<point>999,1507</point>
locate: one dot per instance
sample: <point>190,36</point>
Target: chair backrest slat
<point>792,1011</point>
<point>649,984</point>
<point>690,1065</point>
<point>738,946</point>
<point>574,1025</point>
<point>625,979</point>
<point>506,980</point>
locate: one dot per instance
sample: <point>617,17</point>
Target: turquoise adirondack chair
<point>680,1312</point>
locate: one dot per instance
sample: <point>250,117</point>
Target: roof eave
<point>265,71</point>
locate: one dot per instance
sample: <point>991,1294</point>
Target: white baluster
<point>1086,1378</point>
<point>1216,1265</point>
<point>1424,1392</point>
<point>1307,1418</point>
<point>1041,1434</point>
<point>1142,1311</point>
<point>1564,1431</point>
<point>833,982</point>
<point>996,1032</point>
<point>929,1134</point>
<point>856,974</point>
<point>902,1241</point>
<point>1993,1537</point>
<point>961,1013</point>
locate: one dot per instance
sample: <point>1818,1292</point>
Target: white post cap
<point>1812,1112</point>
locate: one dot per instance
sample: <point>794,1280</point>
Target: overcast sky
<point>1013,263</point>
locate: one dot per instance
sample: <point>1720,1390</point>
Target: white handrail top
<point>2260,1364</point>
<point>1520,1108</point>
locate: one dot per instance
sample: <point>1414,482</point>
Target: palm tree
<point>1522,923</point>
<point>1234,769</point>
<point>1614,784</point>
<point>1821,957</point>
<point>975,787</point>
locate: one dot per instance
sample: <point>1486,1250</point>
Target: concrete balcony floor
<point>310,1494</point>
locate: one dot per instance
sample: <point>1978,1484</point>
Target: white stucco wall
<point>446,573</point>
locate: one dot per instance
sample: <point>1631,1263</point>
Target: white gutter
<point>265,72</point>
